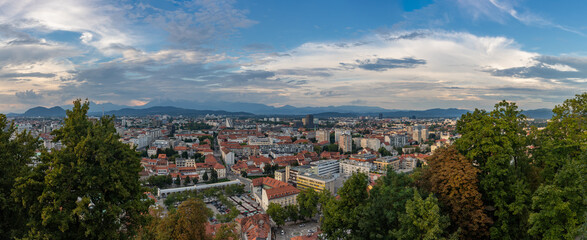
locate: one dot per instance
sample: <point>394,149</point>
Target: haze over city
<point>390,54</point>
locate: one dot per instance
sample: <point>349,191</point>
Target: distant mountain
<point>44,112</point>
<point>542,113</point>
<point>99,107</point>
<point>168,110</point>
<point>430,113</point>
<point>261,109</point>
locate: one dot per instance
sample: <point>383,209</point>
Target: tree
<point>177,180</point>
<point>15,154</point>
<point>422,219</point>
<point>292,212</point>
<point>497,143</point>
<point>190,220</point>
<point>342,217</point>
<point>384,152</point>
<point>453,178</point>
<point>244,173</point>
<point>88,190</point>
<point>214,177</point>
<point>277,213</point>
<point>205,177</point>
<point>195,180</point>
<point>226,231</point>
<point>559,208</point>
<point>308,203</point>
<point>187,181</point>
<point>184,154</point>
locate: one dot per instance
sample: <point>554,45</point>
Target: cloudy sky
<point>410,54</point>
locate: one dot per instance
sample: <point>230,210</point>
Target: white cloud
<point>450,69</point>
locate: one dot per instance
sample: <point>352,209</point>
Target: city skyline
<point>392,54</point>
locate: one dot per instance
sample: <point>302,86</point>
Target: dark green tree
<point>292,212</point>
<point>422,219</point>
<point>384,152</point>
<point>187,181</point>
<point>15,155</point>
<point>88,190</point>
<point>277,213</point>
<point>342,217</point>
<point>497,143</point>
<point>214,177</point>
<point>244,174</point>
<point>308,203</point>
<point>177,180</point>
<point>205,177</point>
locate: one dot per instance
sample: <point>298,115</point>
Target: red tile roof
<point>256,227</point>
<point>282,191</point>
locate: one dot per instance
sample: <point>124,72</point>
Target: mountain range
<point>194,108</point>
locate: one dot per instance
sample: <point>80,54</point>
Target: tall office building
<point>309,121</point>
<point>345,143</point>
<point>229,123</point>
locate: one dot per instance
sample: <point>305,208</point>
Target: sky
<point>395,54</point>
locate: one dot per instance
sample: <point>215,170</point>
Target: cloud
<point>197,22</point>
<point>28,96</point>
<point>383,64</point>
<point>548,68</point>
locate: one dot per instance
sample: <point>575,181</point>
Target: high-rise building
<point>420,133</point>
<point>322,135</point>
<point>338,132</point>
<point>309,121</point>
<point>345,143</point>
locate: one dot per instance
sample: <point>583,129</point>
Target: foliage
<point>197,126</point>
<point>277,213</point>
<point>214,177</point>
<point>160,181</point>
<point>187,180</point>
<point>341,217</point>
<point>205,177</point>
<point>496,142</point>
<point>189,221</point>
<point>422,219</point>
<point>384,152</point>
<point>308,203</point>
<point>88,190</point>
<point>15,155</point>
<point>226,231</point>
<point>453,178</point>
<point>292,212</point>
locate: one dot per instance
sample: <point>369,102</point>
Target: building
<point>280,175</point>
<point>322,136</point>
<point>229,123</point>
<point>420,133</point>
<point>397,140</point>
<point>367,157</point>
<point>383,163</point>
<point>317,182</point>
<point>348,167</point>
<point>267,190</point>
<point>291,173</point>
<point>325,167</point>
<point>338,132</point>
<point>181,162</point>
<point>309,121</point>
<point>345,143</point>
<point>256,227</point>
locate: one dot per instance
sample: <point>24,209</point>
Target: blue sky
<point>412,54</point>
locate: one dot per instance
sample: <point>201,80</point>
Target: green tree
<point>559,209</point>
<point>15,154</point>
<point>381,213</point>
<point>205,177</point>
<point>177,180</point>
<point>214,177</point>
<point>292,212</point>
<point>187,181</point>
<point>184,154</point>
<point>244,174</point>
<point>422,219</point>
<point>342,217</point>
<point>384,152</point>
<point>497,143</point>
<point>308,203</point>
<point>88,190</point>
<point>277,213</point>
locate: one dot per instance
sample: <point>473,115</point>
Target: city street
<point>296,229</point>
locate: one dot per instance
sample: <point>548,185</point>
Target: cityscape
<point>258,120</point>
